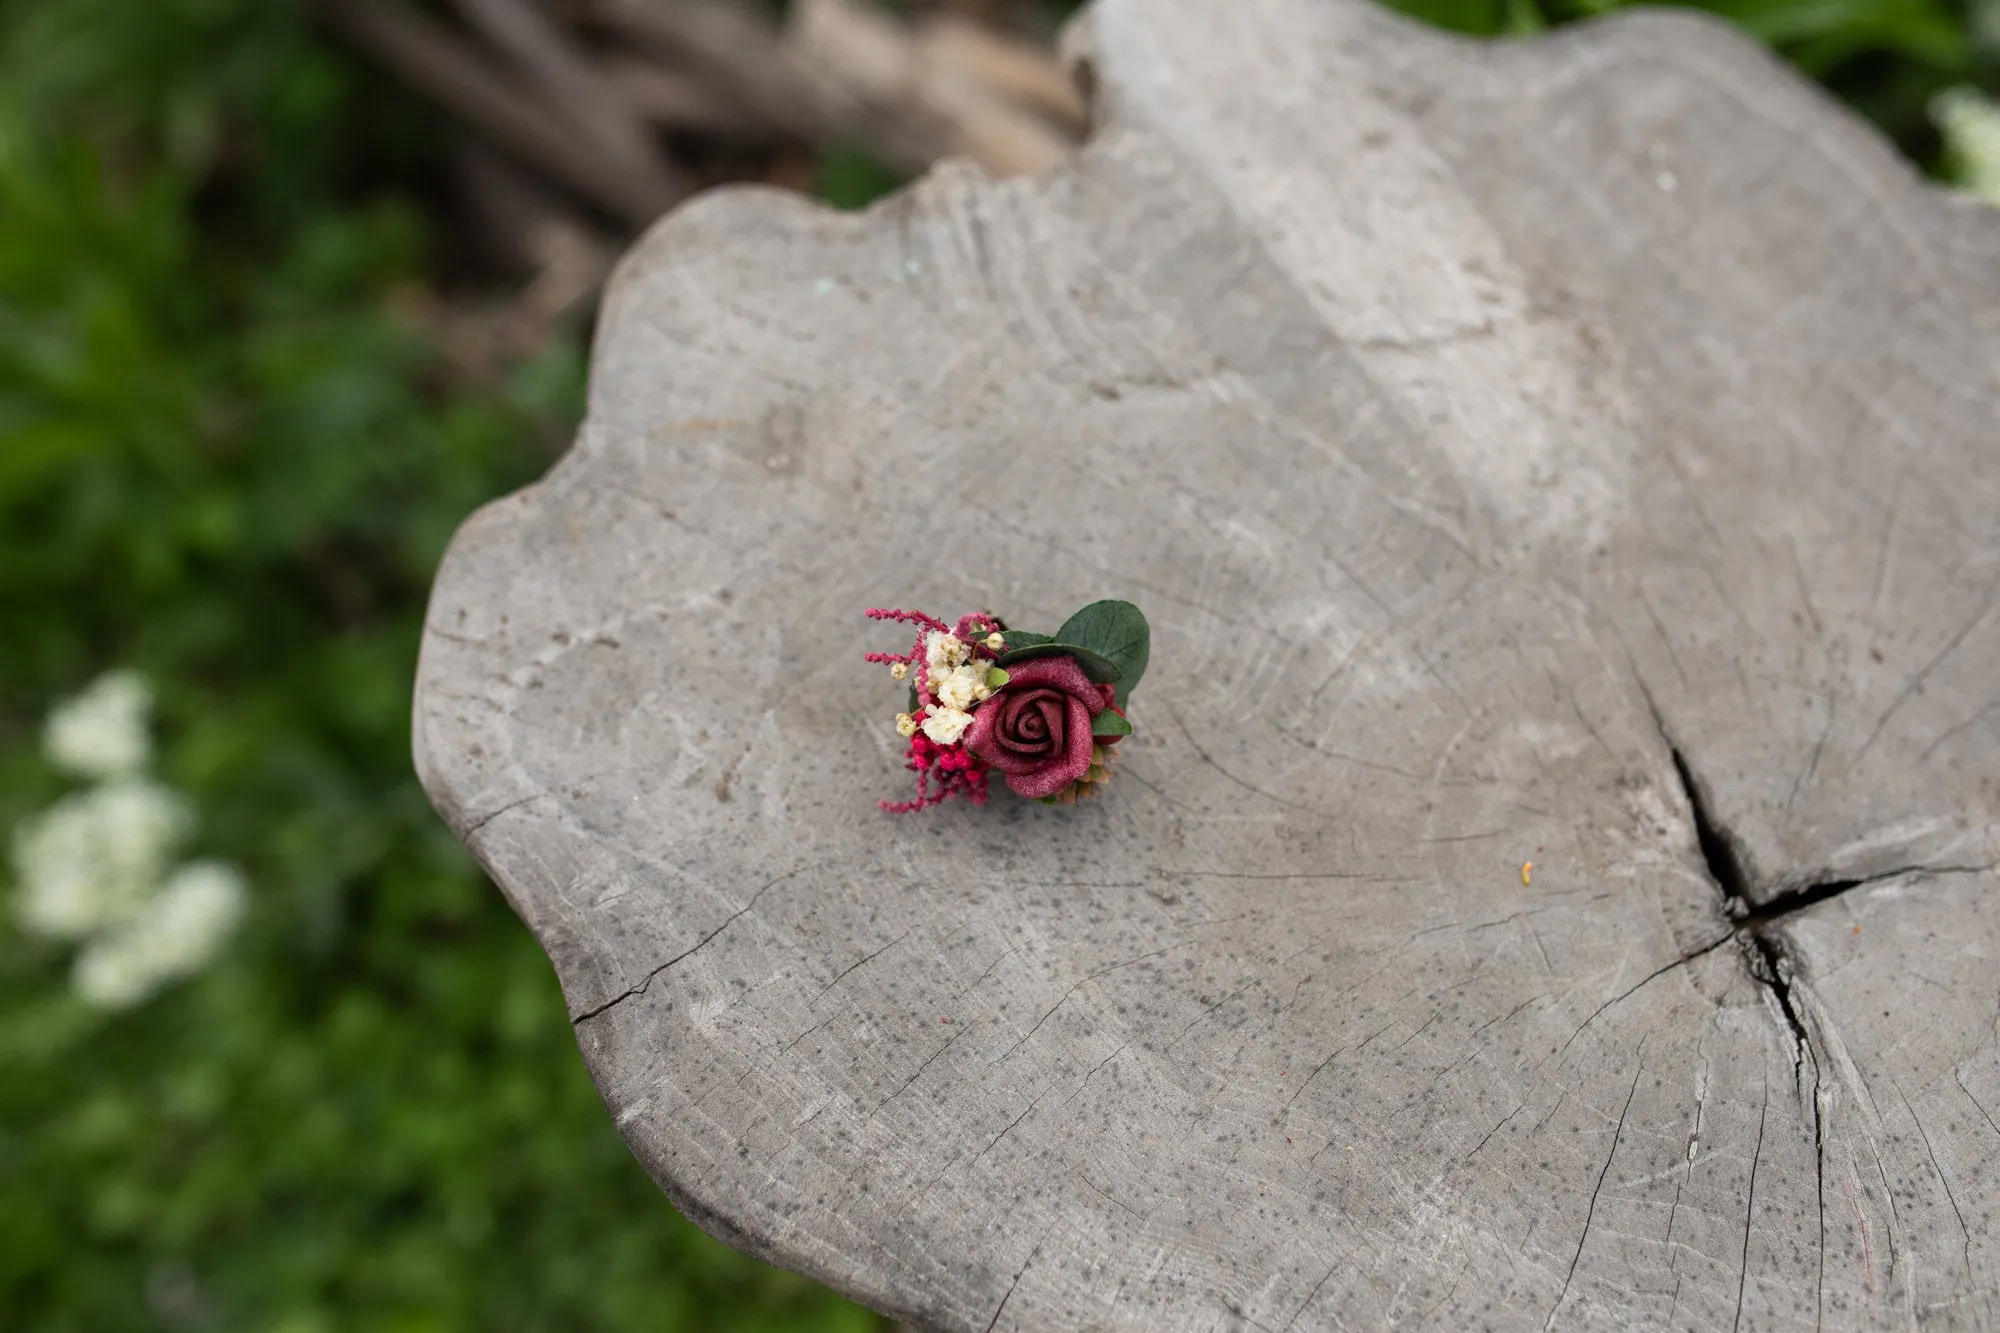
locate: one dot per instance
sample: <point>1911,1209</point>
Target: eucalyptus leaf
<point>1023,638</point>
<point>1109,723</point>
<point>1095,665</point>
<point>1116,631</point>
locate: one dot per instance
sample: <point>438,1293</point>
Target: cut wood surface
<point>1580,452</point>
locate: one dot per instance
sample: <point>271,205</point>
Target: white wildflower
<point>899,670</point>
<point>92,860</point>
<point>906,725</point>
<point>996,642</point>
<point>101,733</point>
<point>94,866</point>
<point>1970,124</point>
<point>179,933</point>
<point>962,686</point>
<point>112,971</point>
<point>195,914</point>
<point>946,725</point>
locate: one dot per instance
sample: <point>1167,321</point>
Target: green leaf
<point>1109,723</point>
<point>1117,632</point>
<point>1095,665</point>
<point>1022,638</point>
<point>914,701</point>
<point>995,677</point>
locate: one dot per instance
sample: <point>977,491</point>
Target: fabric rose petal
<point>1036,728</point>
<point>1043,710</point>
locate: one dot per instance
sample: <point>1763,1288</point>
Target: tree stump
<point>1579,452</point>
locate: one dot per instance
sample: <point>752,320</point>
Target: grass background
<point>230,456</point>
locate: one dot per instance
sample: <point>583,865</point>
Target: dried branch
<point>673,101</point>
<point>998,135</point>
<point>747,61</point>
<point>1010,69</point>
<point>569,101</point>
<point>534,232</point>
<point>429,58</point>
<point>526,225</point>
<point>885,70</point>
<point>575,89</point>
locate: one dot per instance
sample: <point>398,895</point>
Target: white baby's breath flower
<point>946,725</point>
<point>1969,121</point>
<point>178,933</point>
<point>906,725</point>
<point>102,732</point>
<point>943,654</point>
<point>945,650</point>
<point>963,686</point>
<point>93,859</point>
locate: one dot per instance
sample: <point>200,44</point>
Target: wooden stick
<point>998,135</point>
<point>524,219</point>
<point>881,63</point>
<point>427,56</point>
<point>1011,69</point>
<point>575,89</point>
<point>747,61</point>
<point>565,260</point>
<point>674,101</point>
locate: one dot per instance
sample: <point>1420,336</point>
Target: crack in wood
<point>1768,965</point>
<point>1597,1189</point>
<point>473,828</point>
<point>1000,1309</point>
<point>1749,1212</point>
<point>698,946</point>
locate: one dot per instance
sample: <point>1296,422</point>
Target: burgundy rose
<point>1036,728</point>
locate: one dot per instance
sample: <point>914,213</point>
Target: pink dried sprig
<point>974,628</point>
<point>919,678</point>
<point>955,770</point>
<point>909,618</point>
<point>943,771</point>
<point>916,656</point>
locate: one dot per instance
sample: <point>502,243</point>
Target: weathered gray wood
<point>1478,426</point>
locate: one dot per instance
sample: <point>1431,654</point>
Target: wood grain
<point>1579,452</point>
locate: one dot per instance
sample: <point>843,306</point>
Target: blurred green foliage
<point>1885,58</point>
<point>850,177</point>
<point>228,460</point>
